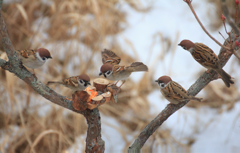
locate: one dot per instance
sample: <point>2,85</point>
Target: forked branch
<point>94,143</point>
<point>201,82</point>
<point>200,23</point>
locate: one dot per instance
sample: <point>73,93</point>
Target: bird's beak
<point>179,45</point>
<point>100,73</point>
<point>50,57</point>
<point>89,83</point>
<point>156,80</point>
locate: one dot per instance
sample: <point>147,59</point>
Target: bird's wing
<point>175,91</point>
<point>205,56</point>
<point>110,57</point>
<point>26,52</point>
<point>72,81</point>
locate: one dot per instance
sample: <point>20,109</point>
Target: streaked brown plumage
<point>110,57</point>
<point>117,72</point>
<point>112,71</point>
<point>33,58</point>
<point>207,58</point>
<point>173,91</point>
<point>76,83</point>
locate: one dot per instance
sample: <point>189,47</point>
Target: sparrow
<point>33,58</point>
<point>174,92</point>
<point>75,83</point>
<point>110,57</point>
<point>117,72</point>
<point>113,71</point>
<point>207,58</point>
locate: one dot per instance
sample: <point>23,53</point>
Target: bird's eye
<point>162,85</point>
<point>108,72</point>
<point>44,58</point>
<point>81,81</point>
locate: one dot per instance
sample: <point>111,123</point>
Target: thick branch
<point>201,82</point>
<point>7,44</point>
<point>14,66</point>
<point>94,142</point>
<point>2,62</point>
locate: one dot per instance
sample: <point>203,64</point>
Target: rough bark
<point>94,143</point>
<point>201,82</point>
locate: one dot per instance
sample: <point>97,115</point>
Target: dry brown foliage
<point>75,32</point>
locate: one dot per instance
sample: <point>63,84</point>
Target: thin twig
<point>221,35</point>
<point>236,14</point>
<point>194,13</point>
<point>226,14</point>
<point>232,24</point>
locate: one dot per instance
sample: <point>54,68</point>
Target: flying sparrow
<point>76,83</point>
<point>110,57</point>
<point>173,92</point>
<point>207,58</point>
<point>116,72</point>
<point>33,58</point>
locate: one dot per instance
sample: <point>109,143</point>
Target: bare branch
<point>231,23</point>
<point>1,1</point>
<point>226,14</point>
<point>2,62</point>
<point>200,23</point>
<point>12,55</point>
<point>93,141</point>
<point>224,55</point>
<point>201,82</point>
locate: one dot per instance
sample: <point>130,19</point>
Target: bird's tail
<point>54,82</point>
<point>138,66</point>
<point>225,77</point>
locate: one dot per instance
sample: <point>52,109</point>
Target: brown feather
<point>175,93</point>
<point>26,52</point>
<point>205,56</point>
<point>225,77</point>
<point>137,66</point>
<point>110,57</point>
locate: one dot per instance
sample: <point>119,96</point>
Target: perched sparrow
<point>172,91</point>
<point>116,72</point>
<point>112,71</point>
<point>76,83</point>
<point>207,58</point>
<point>33,58</point>
<point>110,57</point>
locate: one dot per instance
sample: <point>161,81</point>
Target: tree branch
<point>8,47</point>
<point>226,14</point>
<point>189,2</point>
<point>93,141</point>
<point>2,62</point>
<point>231,23</point>
<point>201,82</point>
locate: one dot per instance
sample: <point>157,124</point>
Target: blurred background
<point>75,32</point>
